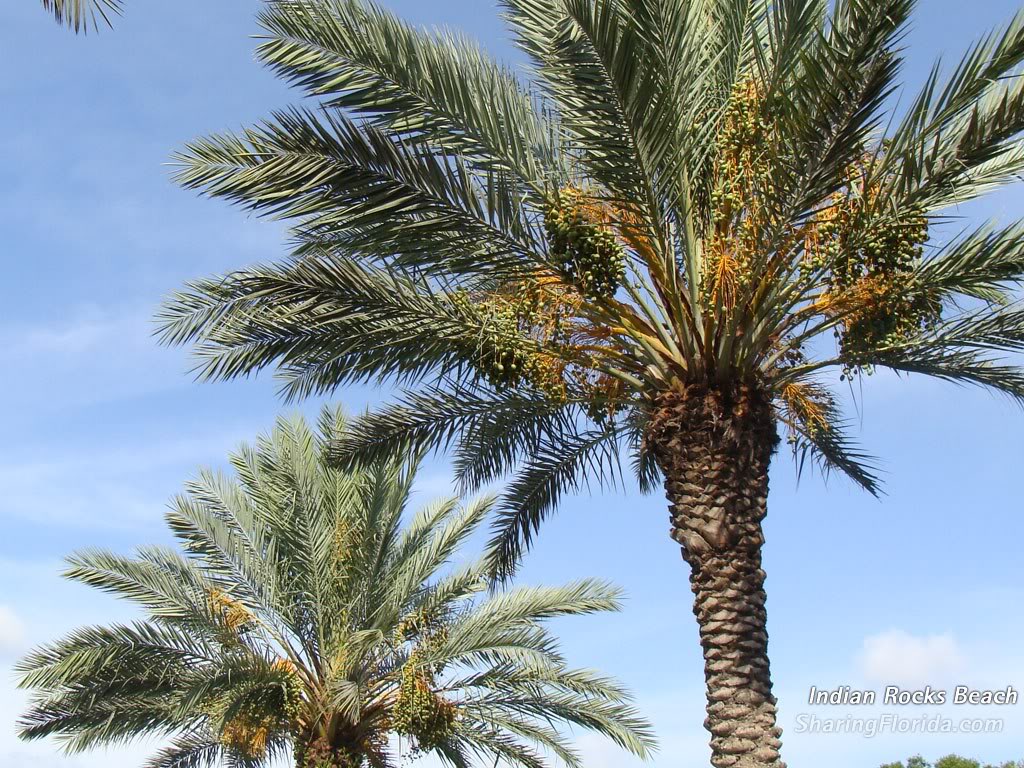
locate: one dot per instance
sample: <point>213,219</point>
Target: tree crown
<point>705,196</point>
<point>302,614</point>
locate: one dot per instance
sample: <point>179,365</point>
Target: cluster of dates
<point>509,349</point>
<point>585,246</point>
<point>870,259</point>
<point>419,711</point>
<point>529,330</point>
<point>267,712</point>
<point>743,172</point>
<point>742,154</point>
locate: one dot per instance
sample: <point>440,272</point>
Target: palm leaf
<point>84,15</point>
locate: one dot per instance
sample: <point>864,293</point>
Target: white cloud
<point>898,657</point>
<point>68,339</point>
<point>111,486</point>
<point>12,632</point>
<point>93,354</point>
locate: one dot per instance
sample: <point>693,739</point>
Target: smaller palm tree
<point>84,15</point>
<point>303,618</point>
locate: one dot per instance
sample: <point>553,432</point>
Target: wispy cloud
<point>12,632</point>
<point>111,486</point>
<point>898,657</point>
<point>96,354</point>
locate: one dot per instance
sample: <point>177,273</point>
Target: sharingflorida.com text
<point>888,723</point>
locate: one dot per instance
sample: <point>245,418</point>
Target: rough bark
<point>714,452</point>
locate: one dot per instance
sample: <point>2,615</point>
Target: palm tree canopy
<point>302,614</point>
<point>84,15</point>
<point>684,195</point>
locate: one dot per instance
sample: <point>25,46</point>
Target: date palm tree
<point>84,15</point>
<point>666,242</point>
<point>302,615</point>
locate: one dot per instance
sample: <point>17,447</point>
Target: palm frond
<point>386,194</point>
<point>197,749</point>
<point>817,431</point>
<point>579,50</point>
<point>84,15</point>
<point>831,101</point>
<point>436,417</point>
<point>328,316</point>
<point>969,121</point>
<point>959,366</point>
<point>560,466</point>
<point>985,264</point>
<point>438,88</point>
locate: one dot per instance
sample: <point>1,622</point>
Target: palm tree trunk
<point>714,453</point>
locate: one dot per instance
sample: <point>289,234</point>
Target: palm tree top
<point>301,613</point>
<point>683,200</point>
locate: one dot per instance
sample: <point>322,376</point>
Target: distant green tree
<point>914,762</point>
<point>955,761</point>
<point>952,761</point>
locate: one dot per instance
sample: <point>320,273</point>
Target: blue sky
<point>102,426</point>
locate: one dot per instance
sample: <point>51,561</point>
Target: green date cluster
<point>743,149</point>
<point>874,260</point>
<point>588,252</point>
<point>504,352</point>
<point>419,712</point>
<point>501,352</point>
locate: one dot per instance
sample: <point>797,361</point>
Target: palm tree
<point>667,243</point>
<point>302,614</point>
<point>84,15</point>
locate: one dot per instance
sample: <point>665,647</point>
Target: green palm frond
<point>375,188</point>
<point>959,366</point>
<point>431,87</point>
<point>437,416</point>
<point>555,468</point>
<point>337,317</point>
<point>985,264</point>
<point>598,91</point>
<point>304,617</point>
<point>194,749</point>
<point>970,120</point>
<point>84,15</point>
<point>491,446</point>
